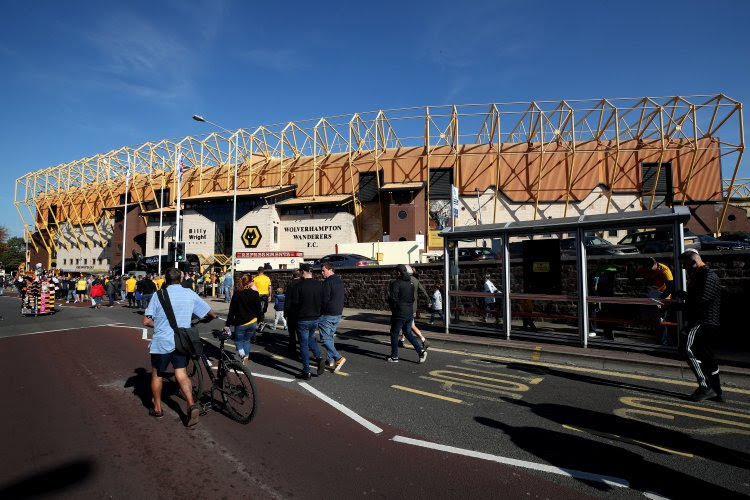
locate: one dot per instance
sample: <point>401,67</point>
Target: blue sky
<point>85,77</point>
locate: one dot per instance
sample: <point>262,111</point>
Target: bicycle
<point>233,382</point>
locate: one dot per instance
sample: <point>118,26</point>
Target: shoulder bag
<point>187,341</point>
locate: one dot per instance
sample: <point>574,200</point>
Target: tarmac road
<point>461,425</point>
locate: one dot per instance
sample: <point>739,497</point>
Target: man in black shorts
<point>185,304</point>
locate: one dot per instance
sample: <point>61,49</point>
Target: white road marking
<point>654,496</point>
<point>273,377</point>
<point>588,476</point>
<point>343,409</point>
<point>67,329</point>
<point>145,334</point>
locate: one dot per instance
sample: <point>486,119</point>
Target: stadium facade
<point>386,175</point>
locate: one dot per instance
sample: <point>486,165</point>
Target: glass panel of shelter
<point>628,272</point>
<point>476,285</point>
<point>629,287</point>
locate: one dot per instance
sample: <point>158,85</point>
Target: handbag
<point>187,341</point>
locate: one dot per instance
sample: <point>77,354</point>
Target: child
<point>278,305</point>
<point>436,305</point>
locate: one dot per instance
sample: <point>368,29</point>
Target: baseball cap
<point>306,268</point>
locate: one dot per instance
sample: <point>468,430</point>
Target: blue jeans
<point>242,336</point>
<point>398,325</point>
<point>71,294</point>
<point>437,311</point>
<point>306,330</point>
<point>146,299</point>
<point>227,293</point>
<point>327,326</point>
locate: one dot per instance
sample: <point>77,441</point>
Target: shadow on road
<point>588,379</point>
<point>578,449</point>
<point>53,480</point>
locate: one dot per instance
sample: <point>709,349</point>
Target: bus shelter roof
<point>594,222</point>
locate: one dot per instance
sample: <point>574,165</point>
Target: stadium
<point>387,175</point>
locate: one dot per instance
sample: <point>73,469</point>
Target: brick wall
<point>366,288</point>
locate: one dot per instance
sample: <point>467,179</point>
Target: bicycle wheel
<point>238,393</point>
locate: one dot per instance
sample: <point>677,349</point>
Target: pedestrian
<point>130,286</point>
<point>417,287</point>
<point>244,310</point>
<point>97,292</point>
<point>148,289</point>
<point>401,301</point>
<point>70,288</point>
<point>702,315</point>
<point>290,314</point>
<point>124,287</point>
<point>228,286</point>
<point>659,286</point>
<point>188,281</point>
<point>332,308</point>
<point>490,289</point>
<point>306,298</point>
<point>81,288</point>
<point>111,290</point>
<point>185,303</point>
<point>436,305</point>
<point>263,284</point>
<point>279,298</point>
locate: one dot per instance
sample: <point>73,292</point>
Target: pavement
<point>600,354</point>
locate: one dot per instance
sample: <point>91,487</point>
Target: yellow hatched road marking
<point>537,354</point>
<point>643,403</point>
<point>580,369</point>
<point>628,440</point>
<point>423,393</point>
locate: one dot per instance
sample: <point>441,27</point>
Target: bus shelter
<point>567,278</point>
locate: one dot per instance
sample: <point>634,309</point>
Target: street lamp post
<point>200,118</point>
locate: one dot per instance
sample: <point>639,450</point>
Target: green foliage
<point>12,250</point>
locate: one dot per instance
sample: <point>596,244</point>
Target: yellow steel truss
<point>75,194</point>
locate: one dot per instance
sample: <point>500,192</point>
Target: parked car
<point>742,236</point>
<point>596,246</point>
<point>347,260</point>
<point>658,240</point>
<point>708,242</point>
<point>472,253</point>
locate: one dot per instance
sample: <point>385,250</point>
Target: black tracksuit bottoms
<point>700,358</point>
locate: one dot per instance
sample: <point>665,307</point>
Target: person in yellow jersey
<point>659,283</point>
<point>130,286</point>
<point>244,311</point>
<point>81,288</point>
<point>159,281</point>
<point>263,284</point>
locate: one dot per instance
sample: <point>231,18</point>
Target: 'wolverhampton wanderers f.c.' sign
<point>251,236</point>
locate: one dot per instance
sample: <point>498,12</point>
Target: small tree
<point>12,251</point>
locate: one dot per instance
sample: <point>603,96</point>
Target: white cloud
<point>281,60</point>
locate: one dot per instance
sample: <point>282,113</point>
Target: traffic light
<point>179,251</point>
<point>170,250</point>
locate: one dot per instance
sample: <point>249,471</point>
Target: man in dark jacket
<point>401,300</point>
<point>331,311</point>
<point>290,313</point>
<point>702,314</point>
<point>306,300</point>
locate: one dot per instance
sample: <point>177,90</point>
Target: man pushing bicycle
<point>185,303</point>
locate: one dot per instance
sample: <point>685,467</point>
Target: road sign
<point>251,236</point>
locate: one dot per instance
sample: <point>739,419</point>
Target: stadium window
<point>368,186</point>
<point>275,234</point>
<point>441,180</point>
<point>158,239</point>
<point>664,192</point>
